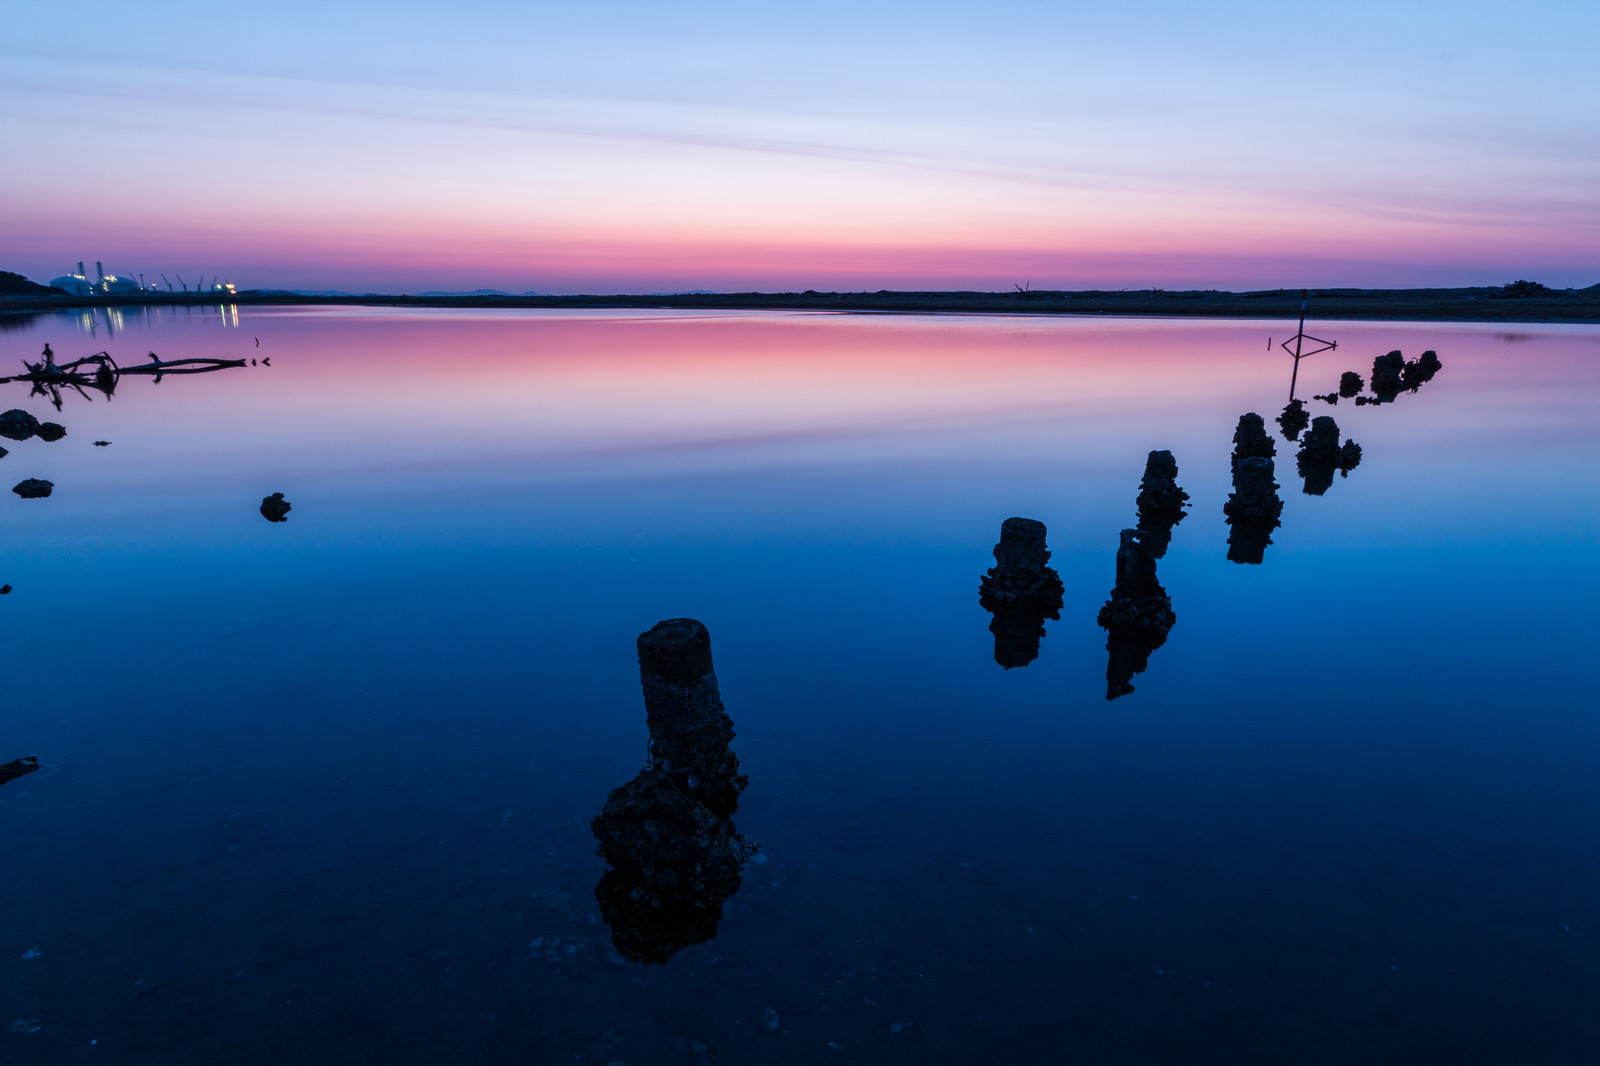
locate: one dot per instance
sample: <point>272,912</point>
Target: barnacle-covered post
<point>1021,590</point>
<point>667,836</point>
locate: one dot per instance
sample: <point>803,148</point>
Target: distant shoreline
<point>1490,304</point>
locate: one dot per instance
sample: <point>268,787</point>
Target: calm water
<point>321,790</point>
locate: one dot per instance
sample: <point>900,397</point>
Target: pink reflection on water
<point>364,396</point>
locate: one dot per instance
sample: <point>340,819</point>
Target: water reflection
<point>1021,590</point>
<point>1320,455</point>
<point>100,373</point>
<point>1137,617</point>
<point>1393,373</point>
<point>667,836</point>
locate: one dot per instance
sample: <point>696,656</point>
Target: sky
<point>632,147</point>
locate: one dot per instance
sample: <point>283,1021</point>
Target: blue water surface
<point>321,791</point>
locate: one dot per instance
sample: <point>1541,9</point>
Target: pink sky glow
<point>563,152</point>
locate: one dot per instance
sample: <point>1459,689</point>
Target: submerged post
<point>689,729</point>
<point>667,836</point>
<point>1021,590</point>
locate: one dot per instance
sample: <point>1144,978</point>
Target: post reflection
<point>1161,501</point>
<point>1320,455</point>
<point>1137,617</point>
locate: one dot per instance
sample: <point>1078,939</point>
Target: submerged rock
<point>18,767</point>
<point>1293,419</point>
<point>50,432</point>
<point>239,834</point>
<point>1349,384</point>
<point>275,508</point>
<point>33,488</point>
<point>1421,371</point>
<point>672,866</point>
<point>1388,376</point>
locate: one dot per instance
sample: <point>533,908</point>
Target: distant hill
<point>300,292</point>
<point>17,285</point>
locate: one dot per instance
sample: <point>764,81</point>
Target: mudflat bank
<point>1509,303</point>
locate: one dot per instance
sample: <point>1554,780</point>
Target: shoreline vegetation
<point>1516,302</point>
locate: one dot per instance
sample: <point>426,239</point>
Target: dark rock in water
<point>1388,376</point>
<point>17,424</point>
<point>1137,617</point>
<point>668,839</point>
<point>4,453</point>
<point>18,767</point>
<point>1160,499</point>
<point>5,590</point>
<point>1293,419</point>
<point>1321,454</point>
<point>1329,397</point>
<point>1349,384</point>
<point>240,833</point>
<point>275,508</point>
<point>50,432</point>
<point>1321,446</point>
<point>1421,371</point>
<point>1252,509</point>
<point>1251,440</point>
<point>1021,571</point>
<point>672,865</point>
<point>1021,575</point>
<point>1021,590</point>
<point>102,444</point>
<point>33,488</point>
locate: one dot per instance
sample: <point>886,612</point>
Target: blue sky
<point>892,145</point>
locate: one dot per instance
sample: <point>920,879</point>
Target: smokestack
<point>81,274</point>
